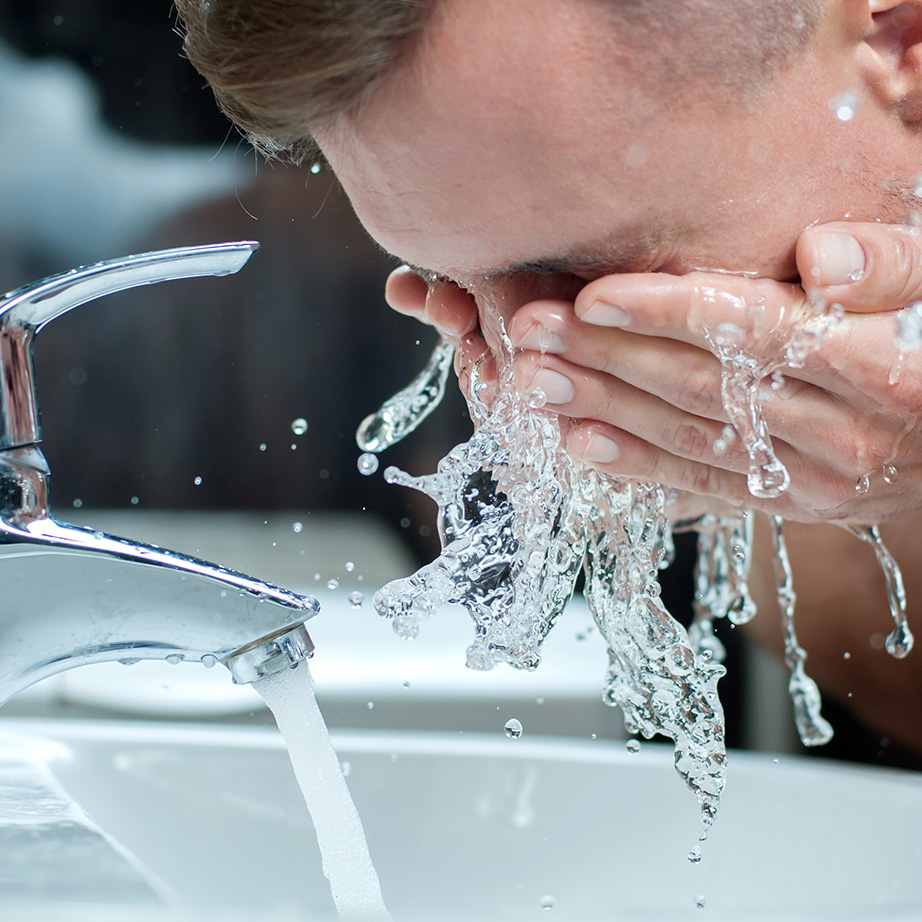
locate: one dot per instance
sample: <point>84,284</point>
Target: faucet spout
<point>72,596</point>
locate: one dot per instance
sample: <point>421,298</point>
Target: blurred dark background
<point>143,392</point>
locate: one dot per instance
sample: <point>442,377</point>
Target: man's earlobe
<point>895,40</point>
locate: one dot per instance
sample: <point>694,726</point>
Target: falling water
<point>346,861</point>
<point>813,728</point>
<point>900,640</point>
<point>518,520</point>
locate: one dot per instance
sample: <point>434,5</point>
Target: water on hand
<point>346,861</point>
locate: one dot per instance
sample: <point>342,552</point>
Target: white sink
<point>461,827</point>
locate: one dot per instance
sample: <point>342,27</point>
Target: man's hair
<point>282,68</point>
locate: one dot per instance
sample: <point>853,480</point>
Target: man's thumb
<point>863,267</point>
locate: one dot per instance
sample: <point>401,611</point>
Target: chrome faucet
<point>71,596</point>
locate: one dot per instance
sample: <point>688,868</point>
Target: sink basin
<point>208,822</point>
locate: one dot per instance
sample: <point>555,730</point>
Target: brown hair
<point>281,68</point>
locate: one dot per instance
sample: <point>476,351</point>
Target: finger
<point>694,308</point>
<point>818,426</point>
<point>451,310</point>
<point>405,292</point>
<point>863,267</point>
<point>584,394</point>
<point>685,376</point>
<point>625,456</point>
<point>689,308</point>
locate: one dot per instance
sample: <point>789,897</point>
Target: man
<point>526,147</point>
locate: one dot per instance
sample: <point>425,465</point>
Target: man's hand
<point>631,362</point>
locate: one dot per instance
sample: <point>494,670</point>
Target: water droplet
<point>845,105</point>
<point>130,661</point>
<point>297,527</point>
<point>909,327</point>
<point>406,684</point>
<point>316,577</point>
<point>700,901</point>
<point>299,425</point>
<point>135,500</point>
<point>333,583</point>
<point>367,463</point>
<point>513,728</point>
<point>846,655</point>
<point>720,447</point>
<point>174,659</point>
<point>209,660</point>
<point>356,599</point>
<point>346,767</point>
<point>547,902</point>
<point>917,185</point>
<point>863,484</point>
<point>539,700</point>
<point>632,746</point>
<point>537,399</point>
<point>263,446</point>
<point>78,503</point>
<point>891,474</point>
<point>371,705</point>
<point>350,566</point>
<point>694,856</point>
<point>315,168</point>
<point>197,481</point>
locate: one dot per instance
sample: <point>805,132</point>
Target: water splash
<point>407,409</point>
<point>517,521</point>
<point>813,728</point>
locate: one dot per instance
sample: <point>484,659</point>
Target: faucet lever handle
<point>25,311</point>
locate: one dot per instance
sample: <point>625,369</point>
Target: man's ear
<point>894,45</point>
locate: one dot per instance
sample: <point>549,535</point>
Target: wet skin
<point>536,163</point>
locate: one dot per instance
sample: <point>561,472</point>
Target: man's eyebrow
<point>632,252</point>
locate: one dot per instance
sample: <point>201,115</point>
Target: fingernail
<point>556,387</point>
<point>603,314</point>
<point>541,340</point>
<point>840,259</point>
<point>600,449</point>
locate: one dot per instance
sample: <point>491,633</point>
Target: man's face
<point>522,138</point>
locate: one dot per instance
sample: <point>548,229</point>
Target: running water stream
<point>346,861</point>
<point>518,520</point>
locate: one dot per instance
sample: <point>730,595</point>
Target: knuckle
<point>866,451</point>
<point>696,392</point>
<point>703,480</point>
<point>906,271</point>
<point>688,439</point>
